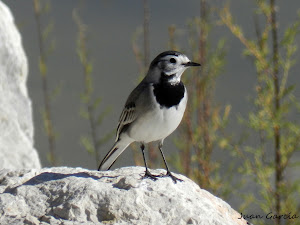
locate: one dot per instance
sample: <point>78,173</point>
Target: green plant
<point>45,48</point>
<point>201,131</point>
<point>92,143</point>
<point>271,119</point>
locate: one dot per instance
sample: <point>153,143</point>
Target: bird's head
<point>170,65</point>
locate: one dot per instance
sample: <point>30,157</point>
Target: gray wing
<point>129,113</point>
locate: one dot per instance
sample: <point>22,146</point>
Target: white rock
<point>65,196</point>
<point>16,126</point>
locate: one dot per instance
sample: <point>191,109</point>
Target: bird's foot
<point>175,179</point>
<point>150,175</point>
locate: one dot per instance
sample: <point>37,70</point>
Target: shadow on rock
<point>51,176</point>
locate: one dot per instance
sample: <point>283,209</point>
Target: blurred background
<point>243,116</point>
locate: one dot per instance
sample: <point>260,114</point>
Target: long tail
<point>112,155</point>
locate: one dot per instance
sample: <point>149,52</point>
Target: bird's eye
<point>172,60</point>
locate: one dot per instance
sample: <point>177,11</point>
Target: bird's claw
<point>150,175</point>
<point>175,179</point>
<point>154,177</point>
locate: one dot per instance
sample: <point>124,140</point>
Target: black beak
<point>191,64</point>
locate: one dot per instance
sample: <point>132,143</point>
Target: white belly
<point>158,123</point>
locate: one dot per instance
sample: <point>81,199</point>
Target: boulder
<point>16,125</point>
<point>65,196</point>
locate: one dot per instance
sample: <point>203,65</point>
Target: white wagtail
<point>154,108</point>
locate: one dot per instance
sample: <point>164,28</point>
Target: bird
<point>153,110</point>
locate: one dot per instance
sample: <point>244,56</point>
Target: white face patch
<point>174,65</point>
<point>169,63</point>
<point>175,79</point>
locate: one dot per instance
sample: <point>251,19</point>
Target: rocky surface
<point>68,196</point>
<point>16,126</point>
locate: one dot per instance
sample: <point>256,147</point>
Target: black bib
<point>167,94</point>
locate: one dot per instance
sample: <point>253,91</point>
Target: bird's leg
<point>147,172</point>
<point>169,174</point>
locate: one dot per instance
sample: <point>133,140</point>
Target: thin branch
<point>48,124</point>
<point>146,33</point>
<point>278,157</point>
